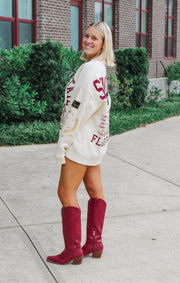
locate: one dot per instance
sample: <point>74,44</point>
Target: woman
<point>83,139</point>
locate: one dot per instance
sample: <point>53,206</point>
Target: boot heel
<point>97,254</point>
<point>78,260</point>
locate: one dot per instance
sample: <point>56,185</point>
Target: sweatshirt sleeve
<point>85,99</point>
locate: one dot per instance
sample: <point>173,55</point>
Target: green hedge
<point>173,72</point>
<point>132,65</point>
<point>17,99</point>
<point>44,71</point>
<point>33,80</point>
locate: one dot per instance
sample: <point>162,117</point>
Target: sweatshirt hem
<point>76,157</point>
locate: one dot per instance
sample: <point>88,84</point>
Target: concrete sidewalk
<point>141,177</point>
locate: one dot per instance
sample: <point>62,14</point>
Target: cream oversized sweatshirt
<point>84,125</point>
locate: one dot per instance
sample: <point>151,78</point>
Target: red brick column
<point>125,24</point>
<point>53,21</point>
<point>88,14</point>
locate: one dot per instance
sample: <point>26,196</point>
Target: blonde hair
<point>106,54</point>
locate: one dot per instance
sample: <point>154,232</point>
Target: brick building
<point>147,23</point>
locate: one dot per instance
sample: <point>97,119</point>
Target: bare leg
<point>93,183</point>
<point>72,174</point>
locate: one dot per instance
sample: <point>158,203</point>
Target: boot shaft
<point>96,214</point>
<point>95,221</point>
<point>71,224</point>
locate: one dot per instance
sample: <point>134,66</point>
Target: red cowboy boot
<point>95,220</point>
<point>71,222</point>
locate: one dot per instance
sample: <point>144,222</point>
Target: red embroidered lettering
<point>97,143</point>
<point>72,81</point>
<point>68,101</point>
<point>99,89</point>
<point>69,89</point>
<point>106,139</point>
<point>94,138</point>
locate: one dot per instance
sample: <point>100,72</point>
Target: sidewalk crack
<point>29,238</point>
<point>144,170</point>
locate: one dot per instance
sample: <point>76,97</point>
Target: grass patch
<point>126,120</point>
<point>29,133</point>
<point>120,121</point>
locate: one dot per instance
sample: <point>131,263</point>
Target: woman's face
<point>92,43</point>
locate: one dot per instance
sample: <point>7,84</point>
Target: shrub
<point>173,72</point>
<point>45,74</point>
<point>71,62</point>
<point>40,71</point>
<point>132,64</point>
<point>154,95</point>
<point>12,62</point>
<point>18,102</point>
<point>49,68</point>
<point>120,92</point>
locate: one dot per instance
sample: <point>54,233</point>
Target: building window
<point>104,11</point>
<point>142,24</point>
<point>17,22</point>
<point>169,28</point>
<point>76,25</point>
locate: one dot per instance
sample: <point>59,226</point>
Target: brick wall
<point>158,31</point>
<point>88,14</point>
<point>125,30</point>
<point>53,21</point>
<point>178,32</point>
<point>125,23</point>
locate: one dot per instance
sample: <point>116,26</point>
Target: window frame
<point>78,3</point>
<point>15,21</point>
<point>140,33</point>
<point>103,12</point>
<point>166,36</point>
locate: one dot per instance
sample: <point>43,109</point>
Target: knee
<point>92,191</point>
<point>67,198</point>
<point>62,195</point>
